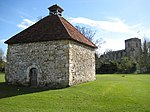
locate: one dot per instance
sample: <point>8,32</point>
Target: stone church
<point>132,50</point>
<point>51,53</point>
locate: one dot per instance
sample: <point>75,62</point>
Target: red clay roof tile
<point>52,27</point>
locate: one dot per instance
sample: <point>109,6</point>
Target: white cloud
<point>111,25</point>
<point>2,40</point>
<point>26,23</point>
<point>113,30</point>
<point>113,44</point>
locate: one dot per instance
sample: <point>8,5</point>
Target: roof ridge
<point>64,26</point>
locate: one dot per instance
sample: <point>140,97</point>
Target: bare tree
<point>145,57</point>
<point>87,32</point>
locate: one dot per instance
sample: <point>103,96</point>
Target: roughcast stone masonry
<point>81,63</point>
<point>58,63</point>
<point>50,53</point>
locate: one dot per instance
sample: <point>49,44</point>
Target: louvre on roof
<point>52,27</point>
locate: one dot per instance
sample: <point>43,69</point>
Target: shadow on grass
<point>11,90</point>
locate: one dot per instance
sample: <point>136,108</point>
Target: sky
<point>113,20</point>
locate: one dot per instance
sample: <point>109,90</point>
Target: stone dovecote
<point>50,53</point>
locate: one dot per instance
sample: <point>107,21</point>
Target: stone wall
<point>81,63</point>
<point>58,63</point>
<point>51,59</point>
<point>115,55</point>
<point>133,48</point>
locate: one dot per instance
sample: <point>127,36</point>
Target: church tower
<point>133,48</point>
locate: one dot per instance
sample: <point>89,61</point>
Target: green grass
<point>109,93</point>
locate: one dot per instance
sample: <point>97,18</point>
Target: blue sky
<point>113,20</point>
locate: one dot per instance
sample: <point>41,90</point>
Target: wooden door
<point>33,77</point>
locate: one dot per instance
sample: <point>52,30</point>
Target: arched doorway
<point>33,77</point>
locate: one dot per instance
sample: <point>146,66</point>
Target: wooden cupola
<point>55,10</point>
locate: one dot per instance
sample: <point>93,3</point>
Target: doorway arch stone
<point>32,75</point>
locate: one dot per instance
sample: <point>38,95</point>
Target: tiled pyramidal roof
<point>52,27</point>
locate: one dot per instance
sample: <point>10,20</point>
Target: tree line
<point>125,65</point>
<point>2,61</point>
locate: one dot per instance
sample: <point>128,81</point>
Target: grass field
<point>109,93</point>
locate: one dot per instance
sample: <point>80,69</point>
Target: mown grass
<point>109,93</point>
